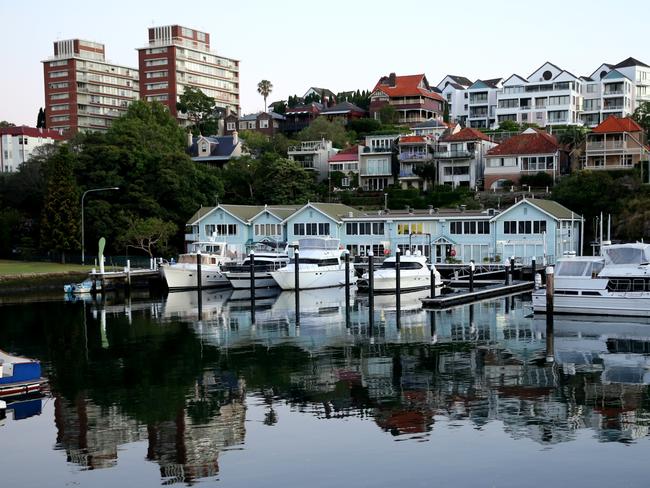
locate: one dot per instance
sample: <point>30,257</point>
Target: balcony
<point>613,107</point>
<point>308,147</point>
<point>404,174</point>
<point>191,237</point>
<point>618,91</point>
<point>377,150</point>
<point>600,145</point>
<point>413,156</point>
<point>453,154</point>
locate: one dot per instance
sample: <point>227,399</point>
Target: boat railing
<point>244,268</point>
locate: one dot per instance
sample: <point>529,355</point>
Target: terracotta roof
<point>617,124</point>
<point>406,86</point>
<point>466,134</point>
<point>349,154</point>
<point>534,142</point>
<point>412,139</point>
<point>24,130</point>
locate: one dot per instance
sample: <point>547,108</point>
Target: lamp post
<point>83,249</point>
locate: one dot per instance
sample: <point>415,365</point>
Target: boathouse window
<point>483,227</point>
<point>311,229</point>
<point>456,227</point>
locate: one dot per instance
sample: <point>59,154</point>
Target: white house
<point>549,96</point>
<point>460,157</point>
<point>482,95</point>
<point>314,156</point>
<point>454,90</point>
<point>17,145</point>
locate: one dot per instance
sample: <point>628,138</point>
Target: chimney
<point>235,138</point>
<point>189,139</point>
<point>463,207</point>
<point>392,79</point>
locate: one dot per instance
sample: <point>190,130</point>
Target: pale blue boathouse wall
<point>218,216</point>
<point>311,215</point>
<point>264,218</point>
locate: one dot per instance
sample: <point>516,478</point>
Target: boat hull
<point>243,280</point>
<point>627,305</point>
<point>310,279</point>
<point>184,277</point>
<point>388,283</point>
<point>21,388</point>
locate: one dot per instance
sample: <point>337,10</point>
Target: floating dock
<point>490,291</point>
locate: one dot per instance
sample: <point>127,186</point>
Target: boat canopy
<point>579,267</point>
<point>316,243</point>
<point>627,254</point>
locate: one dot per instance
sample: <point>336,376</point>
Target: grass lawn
<point>13,268</point>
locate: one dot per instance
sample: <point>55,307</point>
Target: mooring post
<point>198,283</point>
<point>296,279</point>
<point>127,287</point>
<point>433,281</point>
<point>251,258</point>
<point>398,286</point>
<point>371,288</point>
<point>347,287</point>
<point>533,269</point>
<point>550,289</point>
<point>471,275</point>
<point>512,269</point>
<point>507,270</point>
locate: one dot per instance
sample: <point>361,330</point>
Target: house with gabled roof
<point>412,97</point>
<point>530,152</point>
<point>482,99</point>
<point>460,158</point>
<point>616,143</point>
<point>615,89</point>
<point>550,95</point>
<point>215,151</point>
<point>267,123</point>
<point>300,116</point>
<point>345,111</point>
<point>454,90</point>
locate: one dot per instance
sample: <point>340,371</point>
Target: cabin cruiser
<point>18,375</point>
<point>414,275</point>
<point>182,274</point>
<point>616,283</point>
<point>319,266</point>
<point>265,261</point>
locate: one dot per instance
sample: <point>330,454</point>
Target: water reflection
<point>178,373</point>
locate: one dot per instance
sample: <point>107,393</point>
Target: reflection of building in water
<point>186,447</point>
<point>187,450</point>
<point>91,434</point>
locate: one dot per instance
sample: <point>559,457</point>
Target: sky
<point>335,44</point>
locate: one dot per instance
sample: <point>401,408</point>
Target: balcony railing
<point>600,145</point>
<point>613,107</point>
<point>453,154</point>
<point>407,174</point>
<point>191,237</point>
<point>613,92</point>
<point>406,156</point>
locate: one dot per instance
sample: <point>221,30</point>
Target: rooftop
<point>466,134</point>
<point>404,86</point>
<point>614,124</point>
<point>531,141</point>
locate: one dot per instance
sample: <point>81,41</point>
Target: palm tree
<point>264,88</point>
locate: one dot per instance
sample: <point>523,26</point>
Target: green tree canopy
<point>388,115</point>
<point>642,116</point>
<point>200,110</point>
<point>148,234</point>
<point>60,230</point>
<point>264,88</point>
<point>330,130</point>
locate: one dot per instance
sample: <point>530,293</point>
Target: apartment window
<point>252,124</point>
<point>59,96</point>
<point>185,32</point>
<point>345,182</point>
<point>157,86</point>
<point>157,50</point>
<point>60,118</point>
<point>58,74</point>
<point>469,227</point>
<point>58,108</point>
<point>509,103</point>
<point>264,123</point>
<point>156,74</point>
<point>563,100</point>
<point>155,62</point>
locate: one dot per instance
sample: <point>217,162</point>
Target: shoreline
<point>12,284</point>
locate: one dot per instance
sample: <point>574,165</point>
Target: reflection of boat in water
<point>618,348</point>
<point>22,407</point>
<point>617,283</point>
<point>19,376</point>
<point>185,304</point>
<point>414,275</point>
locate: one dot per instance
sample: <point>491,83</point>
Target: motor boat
<point>415,275</point>
<point>319,266</point>
<point>85,287</point>
<point>182,275</point>
<point>616,283</point>
<point>265,261</point>
<point>19,376</point>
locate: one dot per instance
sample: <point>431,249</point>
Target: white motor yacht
<point>414,275</point>
<point>265,262</point>
<point>182,275</point>
<point>616,283</point>
<point>320,266</point>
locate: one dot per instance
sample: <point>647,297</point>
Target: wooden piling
<point>471,275</point>
<point>550,289</point>
<point>398,286</point>
<point>296,279</point>
<point>347,288</point>
<point>371,289</point>
<point>252,284</point>
<point>512,269</point>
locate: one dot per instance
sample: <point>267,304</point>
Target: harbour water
<point>152,391</point>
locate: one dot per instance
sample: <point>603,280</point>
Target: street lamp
<point>83,253</point>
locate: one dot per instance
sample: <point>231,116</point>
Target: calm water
<point>143,393</point>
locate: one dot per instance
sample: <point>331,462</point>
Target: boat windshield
<point>572,267</point>
<point>319,262</point>
<point>318,243</point>
<point>627,254</point>
<point>403,265</point>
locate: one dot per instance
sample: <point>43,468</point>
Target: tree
<point>642,116</point>
<point>264,88</point>
<point>283,181</point>
<point>388,115</point>
<point>280,107</point>
<point>445,115</point>
<point>4,124</point>
<point>426,171</point>
<point>312,97</point>
<point>509,126</point>
<point>60,218</point>
<point>41,122</point>
<point>200,110</point>
<point>330,130</point>
<point>148,234</point>
<point>257,143</point>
